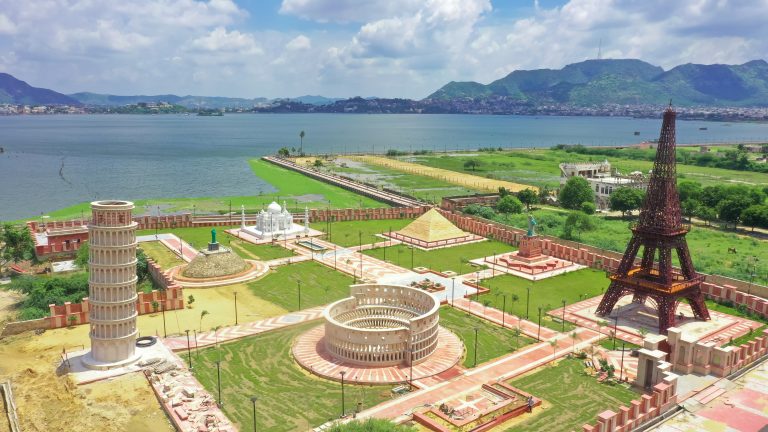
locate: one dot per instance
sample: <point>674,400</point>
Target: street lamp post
<point>528,302</point>
<point>360,251</point>
<point>165,333</point>
<point>299,283</point>
<point>235,293</point>
<point>564,315</point>
<point>615,330</point>
<point>453,291</point>
<point>189,351</point>
<point>218,380</point>
<point>253,400</point>
<point>410,362</point>
<point>538,335</point>
<point>343,408</point>
<point>621,374</point>
<point>503,310</point>
<point>412,249</point>
<point>475,361</point>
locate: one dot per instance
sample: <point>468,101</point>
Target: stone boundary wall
<point>688,356</point>
<point>170,298</point>
<point>16,327</point>
<point>606,260</point>
<point>10,406</point>
<point>640,411</point>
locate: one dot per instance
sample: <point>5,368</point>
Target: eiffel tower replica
<point>659,232</point>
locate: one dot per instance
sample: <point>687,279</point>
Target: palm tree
<point>515,298</point>
<point>516,333</point>
<point>202,315</point>
<point>301,137</point>
<point>485,306</point>
<point>553,344</point>
<point>573,343</point>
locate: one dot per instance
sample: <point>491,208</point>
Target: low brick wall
<point>16,327</point>
<point>640,411</point>
<point>170,298</point>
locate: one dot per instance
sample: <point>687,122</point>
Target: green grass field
<point>573,398</point>
<point>296,189</point>
<point>493,341</point>
<point>199,238</point>
<point>349,233</point>
<point>547,293</point>
<point>423,187</point>
<point>289,399</point>
<point>453,258</point>
<point>708,246</point>
<point>161,254</point>
<point>319,285</point>
<point>540,167</point>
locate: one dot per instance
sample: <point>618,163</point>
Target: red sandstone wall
<point>171,298</point>
<point>639,411</point>
<point>57,246</point>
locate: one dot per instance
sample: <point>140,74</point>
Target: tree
<point>16,244</point>
<point>626,199</point>
<point>190,300</point>
<point>480,210</point>
<point>203,313</point>
<point>755,215</point>
<point>588,207</point>
<point>72,319</point>
<point>575,191</point>
<point>689,190</point>
<point>729,209</point>
<point>573,336</point>
<point>689,208</point>
<point>142,266</point>
<point>509,204</point>
<point>503,192</point>
<point>370,425</point>
<point>553,344</point>
<point>318,163</point>
<point>544,194</point>
<point>472,164</point>
<point>516,332</point>
<point>81,259</point>
<point>712,195</point>
<point>155,306</point>
<point>301,137</point>
<point>283,152</point>
<point>528,197</point>
<point>707,214</point>
<point>579,222</point>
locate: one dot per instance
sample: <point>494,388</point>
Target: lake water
<point>52,162</point>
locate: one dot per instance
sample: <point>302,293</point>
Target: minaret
<point>306,220</point>
<point>242,217</point>
<point>112,285</point>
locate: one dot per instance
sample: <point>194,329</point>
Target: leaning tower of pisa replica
<point>112,285</point>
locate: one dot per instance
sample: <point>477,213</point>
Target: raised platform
<point>429,245</point>
<point>310,353</point>
<point>531,268</point>
<point>294,231</point>
<point>254,270</point>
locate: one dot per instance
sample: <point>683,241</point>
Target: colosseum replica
<point>112,285</point>
<point>382,325</point>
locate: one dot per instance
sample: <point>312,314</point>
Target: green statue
<point>213,236</point>
<point>531,225</point>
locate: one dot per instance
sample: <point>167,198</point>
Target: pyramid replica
<point>432,230</point>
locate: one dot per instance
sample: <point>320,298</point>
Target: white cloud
<point>6,25</point>
<point>221,40</point>
<point>299,43</point>
<point>347,10</point>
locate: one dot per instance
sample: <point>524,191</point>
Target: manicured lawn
<point>297,189</point>
<point>573,397</point>
<point>607,343</point>
<point>161,254</point>
<point>454,258</point>
<point>492,340</point>
<point>200,236</point>
<point>547,293</point>
<point>349,233</point>
<point>289,399</point>
<point>319,285</point>
<point>708,246</point>
<point>263,252</point>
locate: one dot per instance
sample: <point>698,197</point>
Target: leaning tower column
<point>112,285</point>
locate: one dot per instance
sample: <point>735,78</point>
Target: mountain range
<point>588,83</point>
<point>624,81</point>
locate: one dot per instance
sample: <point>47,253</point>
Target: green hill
<point>625,81</point>
<point>15,91</point>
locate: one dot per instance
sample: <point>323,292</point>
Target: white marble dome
<point>274,208</point>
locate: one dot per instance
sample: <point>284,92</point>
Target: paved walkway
<point>181,248</point>
<point>528,328</point>
<point>503,368</point>
<point>244,330</point>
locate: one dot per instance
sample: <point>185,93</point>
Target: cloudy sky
<point>388,48</point>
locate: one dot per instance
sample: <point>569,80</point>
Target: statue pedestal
<point>529,249</point>
<point>213,247</point>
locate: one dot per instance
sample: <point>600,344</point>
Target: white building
<point>602,178</point>
<point>275,221</point>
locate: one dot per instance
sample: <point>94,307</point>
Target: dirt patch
<point>8,305</point>
<point>47,401</point>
